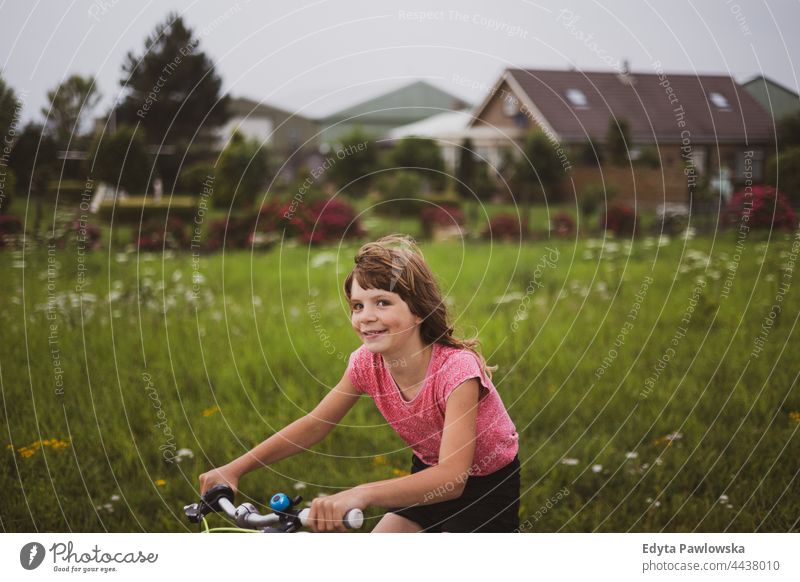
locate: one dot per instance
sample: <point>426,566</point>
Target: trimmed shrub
<point>135,209</point>
<point>767,208</point>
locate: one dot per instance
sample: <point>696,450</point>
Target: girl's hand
<point>222,476</point>
<point>327,513</point>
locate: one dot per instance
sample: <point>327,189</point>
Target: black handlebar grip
<point>213,495</point>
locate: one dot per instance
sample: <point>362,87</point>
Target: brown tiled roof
<point>645,103</point>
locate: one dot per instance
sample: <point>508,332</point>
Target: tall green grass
<point>713,446</point>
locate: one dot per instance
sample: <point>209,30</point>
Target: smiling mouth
<point>373,333</point>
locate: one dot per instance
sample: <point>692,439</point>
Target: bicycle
<point>286,516</point>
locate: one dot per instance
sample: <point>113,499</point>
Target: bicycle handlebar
<point>220,498</point>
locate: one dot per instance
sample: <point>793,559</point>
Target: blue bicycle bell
<point>280,502</point>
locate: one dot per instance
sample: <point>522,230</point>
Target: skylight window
<point>577,98</point>
<point>719,100</point>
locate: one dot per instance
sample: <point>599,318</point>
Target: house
<point>695,126</point>
<point>449,129</point>
<point>780,101</point>
<point>288,136</point>
<point>379,115</point>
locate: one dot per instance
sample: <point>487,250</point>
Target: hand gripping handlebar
<point>286,517</point>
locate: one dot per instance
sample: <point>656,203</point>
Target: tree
<point>466,170</point>
<point>783,171</point>
<point>8,107</point>
<point>173,91</point>
<point>789,132</point>
<point>538,173</point>
<point>618,140</point>
<point>423,157</point>
<point>241,173</point>
<point>71,103</point>
<point>120,159</point>
<point>8,111</point>
<point>33,161</point>
<point>590,154</point>
<point>353,162</point>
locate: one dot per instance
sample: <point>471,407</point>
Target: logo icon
<point>31,555</point>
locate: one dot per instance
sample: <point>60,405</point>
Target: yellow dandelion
<point>209,411</point>
<point>31,449</point>
<point>400,472</point>
<point>795,416</point>
<point>160,482</point>
<point>9,446</point>
<point>379,460</point>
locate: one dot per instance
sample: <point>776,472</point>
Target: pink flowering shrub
<point>767,208</point>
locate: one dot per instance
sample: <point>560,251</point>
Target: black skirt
<point>488,504</point>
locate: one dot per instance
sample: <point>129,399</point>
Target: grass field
<point>669,405</point>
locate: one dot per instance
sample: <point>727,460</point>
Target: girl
<point>433,389</point>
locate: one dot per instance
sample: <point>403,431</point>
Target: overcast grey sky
<point>316,57</point>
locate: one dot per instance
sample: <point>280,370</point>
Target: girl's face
<point>382,319</point>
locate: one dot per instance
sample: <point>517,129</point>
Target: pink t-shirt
<point>420,421</point>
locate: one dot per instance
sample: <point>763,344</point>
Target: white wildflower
<point>509,297</point>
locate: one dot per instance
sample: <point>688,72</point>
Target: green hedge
<point>129,210</point>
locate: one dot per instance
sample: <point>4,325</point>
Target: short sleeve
<point>456,370</point>
<point>355,370</point>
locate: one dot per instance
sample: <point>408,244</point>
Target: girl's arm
<point>436,484</point>
<point>296,437</point>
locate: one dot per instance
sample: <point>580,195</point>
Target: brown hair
<point>395,263</point>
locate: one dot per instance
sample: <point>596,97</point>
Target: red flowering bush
<point>767,208</point>
<point>321,221</point>
<point>317,221</point>
<point>158,235</point>
<point>506,227</point>
<point>330,221</point>
<point>620,219</point>
<point>563,224</point>
<point>290,218</point>
<point>234,232</point>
